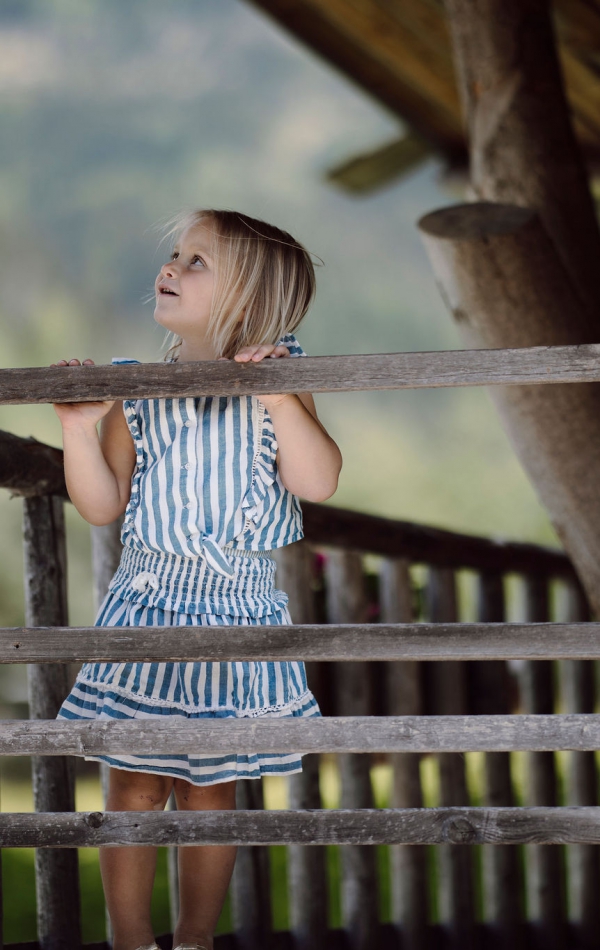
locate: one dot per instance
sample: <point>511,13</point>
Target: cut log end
<point>475,220</point>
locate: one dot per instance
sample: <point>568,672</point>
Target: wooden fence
<point>400,676</point>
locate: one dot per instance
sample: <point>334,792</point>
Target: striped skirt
<point>194,690</point>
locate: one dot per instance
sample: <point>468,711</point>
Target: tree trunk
<point>522,146</point>
<point>505,285</point>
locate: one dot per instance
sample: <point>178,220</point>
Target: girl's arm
<point>98,468</point>
<point>308,459</point>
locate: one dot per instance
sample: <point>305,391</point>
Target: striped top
<point>205,483</point>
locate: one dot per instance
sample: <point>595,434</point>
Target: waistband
<point>190,585</point>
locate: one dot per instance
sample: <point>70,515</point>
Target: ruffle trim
<point>240,772</point>
<point>281,709</point>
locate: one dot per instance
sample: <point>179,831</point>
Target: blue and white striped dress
<point>207,505</point>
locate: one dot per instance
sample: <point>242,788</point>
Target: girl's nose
<point>169,269</point>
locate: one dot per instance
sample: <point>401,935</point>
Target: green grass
<point>18,864</point>
<point>19,878</point>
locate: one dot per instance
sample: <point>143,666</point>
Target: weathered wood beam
<point>347,602</point>
<point>410,826</point>
<point>338,527</point>
<point>323,524</point>
<point>323,642</point>
<point>30,468</point>
<point>56,872</point>
<point>444,368</point>
<point>504,283</point>
<point>374,48</point>
<point>522,146</point>
<point>316,734</point>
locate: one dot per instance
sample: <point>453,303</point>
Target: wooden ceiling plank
<point>404,52</point>
<point>426,20</point>
<point>577,24</point>
<point>307,24</point>
<point>583,92</point>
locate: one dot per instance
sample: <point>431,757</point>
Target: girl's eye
<point>198,259</point>
<point>174,255</point>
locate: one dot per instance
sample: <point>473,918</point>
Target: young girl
<point>209,487</point>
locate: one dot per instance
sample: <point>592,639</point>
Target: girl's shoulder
<point>289,340</point>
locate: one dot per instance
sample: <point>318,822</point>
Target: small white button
<point>187,424</point>
<point>187,465</point>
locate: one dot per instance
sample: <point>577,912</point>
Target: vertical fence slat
<point>449,693</point>
<point>409,864</point>
<point>347,603</point>
<point>106,554</point>
<point>307,870</point>
<point>545,875</point>
<point>250,885</point>
<point>502,886</point>
<point>57,878</point>
<point>583,861</point>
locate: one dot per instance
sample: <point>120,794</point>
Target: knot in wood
<point>95,819</point>
<point>459,830</point>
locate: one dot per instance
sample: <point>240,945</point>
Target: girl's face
<point>184,287</point>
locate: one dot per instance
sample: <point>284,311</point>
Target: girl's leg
<point>128,873</point>
<point>204,872</point>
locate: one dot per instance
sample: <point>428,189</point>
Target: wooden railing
<point>398,673</point>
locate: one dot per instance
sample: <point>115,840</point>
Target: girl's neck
<point>195,350</point>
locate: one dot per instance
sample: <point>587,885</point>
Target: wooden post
<point>250,886</point>
<point>583,861</point>
<point>410,900</point>
<point>502,879</point>
<point>347,603</point>
<point>522,146</point>
<point>307,872</point>
<point>106,554</point>
<point>57,878</point>
<point>449,692</point>
<point>505,285</point>
<point>545,876</point>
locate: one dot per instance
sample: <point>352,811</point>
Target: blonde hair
<point>264,279</point>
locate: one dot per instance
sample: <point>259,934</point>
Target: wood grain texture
<point>409,884</point>
<point>250,884</point>
<point>486,367</point>
<point>56,871</point>
<point>545,877</point>
<point>579,692</point>
<point>30,468</point>
<point>307,871</point>
<point>335,642</point>
<point>318,734</point>
<point>323,524</point>
<point>343,528</point>
<point>499,826</point>
<point>348,602</point>
<point>490,694</point>
<point>448,689</point>
<point>502,279</point>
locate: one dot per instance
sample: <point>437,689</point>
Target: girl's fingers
<point>257,353</point>
<point>73,362</point>
<point>246,353</point>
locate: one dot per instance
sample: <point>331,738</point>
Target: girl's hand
<point>80,414</point>
<point>258,352</point>
<point>254,354</point>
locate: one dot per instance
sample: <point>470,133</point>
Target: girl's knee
<point>138,791</point>
<point>204,797</point>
